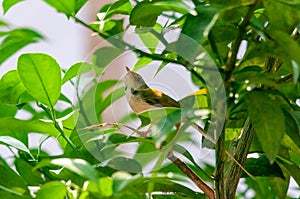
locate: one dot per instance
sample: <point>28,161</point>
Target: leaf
<point>11,182</point>
<point>11,88</point>
<point>76,70</point>
<point>10,141</point>
<point>197,27</point>
<point>278,10</point>
<point>125,164</point>
<point>119,7</point>
<point>292,168</point>
<point>34,70</point>
<point>7,4</point>
<point>78,166</point>
<point>33,178</point>
<point>104,56</point>
<point>9,127</point>
<point>261,167</point>
<point>143,61</point>
<point>68,7</point>
<point>145,14</point>
<point>268,121</point>
<point>16,40</point>
<point>53,189</point>
<point>292,127</point>
<point>110,99</point>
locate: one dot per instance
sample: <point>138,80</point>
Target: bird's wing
<point>157,98</point>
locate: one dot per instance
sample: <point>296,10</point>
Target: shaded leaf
<point>261,167</point>
<point>268,121</point>
<point>78,166</point>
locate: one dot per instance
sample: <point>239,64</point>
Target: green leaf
<point>151,36</point>
<point>292,127</point>
<point>53,189</point>
<point>41,76</point>
<point>7,110</point>
<point>119,7</point>
<point>76,70</point>
<point>10,141</point>
<point>33,178</point>
<point>125,164</point>
<point>11,88</point>
<point>110,99</point>
<point>104,56</point>
<point>268,121</point>
<point>9,127</point>
<point>16,40</point>
<point>198,27</point>
<point>278,10</point>
<point>292,168</point>
<point>261,167</point>
<point>78,166</point>
<point>145,14</point>
<point>11,182</point>
<point>143,61</point>
<point>7,4</point>
<point>105,185</point>
<point>68,7</point>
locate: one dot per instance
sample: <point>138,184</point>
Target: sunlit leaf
<point>34,70</point>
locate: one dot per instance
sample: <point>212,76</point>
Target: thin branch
<point>232,56</point>
<point>193,176</point>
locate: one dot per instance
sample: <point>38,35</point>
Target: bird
<point>142,98</point>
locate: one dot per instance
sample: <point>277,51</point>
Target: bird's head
<point>134,81</point>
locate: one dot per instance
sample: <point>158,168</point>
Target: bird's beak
<point>129,72</point>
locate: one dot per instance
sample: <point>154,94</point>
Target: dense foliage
<point>251,105</point>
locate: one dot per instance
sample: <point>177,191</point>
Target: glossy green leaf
<point>143,61</point>
<point>7,110</point>
<point>68,7</point>
<point>269,127</point>
<point>15,40</point>
<point>7,4</point>
<point>76,70</point>
<point>119,7</point>
<point>9,126</point>
<point>78,166</point>
<point>53,189</point>
<point>11,88</point>
<point>13,142</point>
<point>34,70</point>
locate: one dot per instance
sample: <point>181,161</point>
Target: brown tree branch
<point>240,155</point>
<point>193,176</point>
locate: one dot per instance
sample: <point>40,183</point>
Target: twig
<point>193,176</point>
